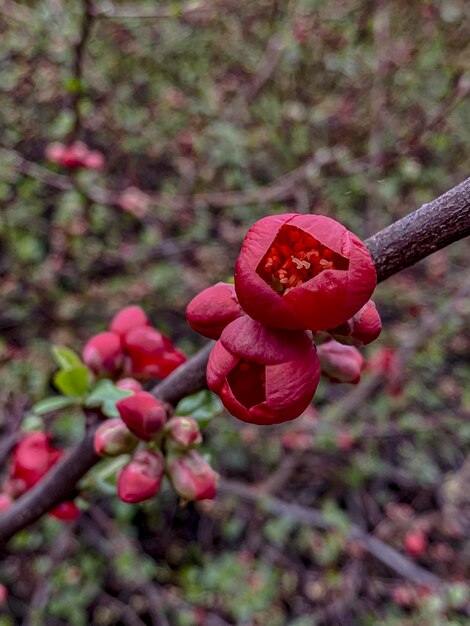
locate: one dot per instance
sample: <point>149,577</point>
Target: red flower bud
<point>102,353</point>
<point>129,384</point>
<point>192,477</point>
<point>415,542</point>
<point>210,311</point>
<point>142,477</point>
<point>113,438</point>
<point>5,502</point>
<point>33,457</point>
<point>66,511</point>
<point>340,363</point>
<point>127,319</point>
<point>151,353</point>
<point>183,433</point>
<point>74,155</point>
<point>143,414</point>
<point>263,375</point>
<point>303,272</point>
<point>3,595</point>
<point>361,329</point>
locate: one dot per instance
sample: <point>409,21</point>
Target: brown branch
<point>430,228</point>
<point>302,515</point>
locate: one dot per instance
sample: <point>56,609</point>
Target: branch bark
<point>432,227</point>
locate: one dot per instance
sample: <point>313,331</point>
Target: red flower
<point>143,414</point>
<point>192,477</point>
<point>361,329</point>
<point>66,511</point>
<point>183,433</point>
<point>113,438</point>
<point>263,375</point>
<point>303,272</point>
<point>415,542</point>
<point>102,353</point>
<point>127,319</point>
<point>210,311</point>
<point>151,353</point>
<point>142,477</point>
<point>33,457</point>
<point>340,363</point>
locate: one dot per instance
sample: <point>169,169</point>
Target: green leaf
<point>73,382</point>
<point>53,403</point>
<point>105,395</point>
<point>201,406</point>
<point>65,358</point>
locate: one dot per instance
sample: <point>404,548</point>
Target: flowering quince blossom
<point>303,272</point>
<point>361,329</point>
<point>182,433</point>
<point>113,438</point>
<point>210,311</point>
<point>340,363</point>
<point>141,478</point>
<point>263,375</point>
<point>192,477</point>
<point>151,353</point>
<point>33,457</point>
<point>143,414</point>
<point>127,319</point>
<point>103,354</point>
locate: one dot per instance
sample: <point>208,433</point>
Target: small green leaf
<point>54,403</point>
<point>65,358</point>
<point>105,395</point>
<point>73,382</point>
<point>202,406</point>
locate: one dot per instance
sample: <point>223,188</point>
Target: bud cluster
<point>132,347</point>
<point>33,457</point>
<point>297,277</point>
<point>74,156</point>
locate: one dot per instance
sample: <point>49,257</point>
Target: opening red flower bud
<point>127,319</point>
<point>102,353</point>
<point>142,477</point>
<point>210,311</point>
<point>361,329</point>
<point>66,511</point>
<point>192,477</point>
<point>340,363</point>
<point>182,433</point>
<point>33,457</point>
<point>129,384</point>
<point>143,414</point>
<point>303,272</point>
<point>113,438</point>
<point>263,375</point>
<point>152,354</point>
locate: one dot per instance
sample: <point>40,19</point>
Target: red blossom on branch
<point>303,272</point>
<point>213,309</point>
<point>140,479</point>
<point>263,375</point>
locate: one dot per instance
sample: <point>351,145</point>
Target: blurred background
<point>211,115</point>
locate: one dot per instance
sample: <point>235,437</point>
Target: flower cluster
<point>171,450</point>
<point>132,347</point>
<point>297,277</point>
<point>75,155</point>
<point>32,458</point>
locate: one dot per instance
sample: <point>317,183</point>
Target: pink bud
<point>183,433</point>
<point>143,414</point>
<point>113,438</point>
<point>5,501</point>
<point>3,595</point>
<point>54,152</point>
<point>151,353</point>
<point>213,309</point>
<point>74,155</point>
<point>341,364</point>
<point>102,353</point>
<point>127,319</point>
<point>142,477</point>
<point>366,324</point>
<point>129,384</point>
<point>415,542</point>
<point>94,160</point>
<point>66,511</point>
<point>192,477</point>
